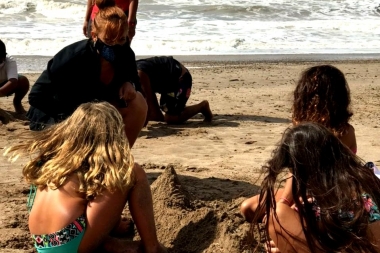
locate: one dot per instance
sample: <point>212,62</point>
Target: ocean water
<point>205,27</point>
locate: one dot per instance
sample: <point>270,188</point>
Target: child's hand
<point>127,92</point>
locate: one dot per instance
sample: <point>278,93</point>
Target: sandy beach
<point>201,172</point>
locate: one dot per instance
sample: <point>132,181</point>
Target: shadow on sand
<point>156,130</point>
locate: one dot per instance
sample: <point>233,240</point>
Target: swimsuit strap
<point>32,195</point>
<point>371,207</point>
<point>69,236</point>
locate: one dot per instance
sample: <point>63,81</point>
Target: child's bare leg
<point>206,111</point>
<point>189,112</point>
<point>249,206</point>
<point>134,116</point>
<point>290,225</point>
<point>141,208</point>
<point>20,92</point>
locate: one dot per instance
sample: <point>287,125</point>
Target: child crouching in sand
<point>336,197</point>
<point>84,175</point>
<point>321,95</point>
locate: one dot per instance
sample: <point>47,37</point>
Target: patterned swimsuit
<point>65,240</point>
<point>61,237</point>
<point>370,206</point>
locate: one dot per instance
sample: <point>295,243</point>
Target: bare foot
<point>206,111</point>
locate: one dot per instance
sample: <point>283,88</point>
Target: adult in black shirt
<point>101,68</point>
<point>168,77</point>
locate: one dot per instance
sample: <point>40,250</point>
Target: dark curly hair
<point>3,50</point>
<point>322,95</point>
<point>325,170</point>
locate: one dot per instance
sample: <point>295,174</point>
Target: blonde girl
<point>84,174</point>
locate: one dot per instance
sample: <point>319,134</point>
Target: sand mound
<point>187,224</point>
<point>168,191</point>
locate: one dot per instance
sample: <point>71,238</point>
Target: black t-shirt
<point>163,71</point>
<point>72,77</point>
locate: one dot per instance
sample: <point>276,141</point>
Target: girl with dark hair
<point>334,208</point>
<point>322,95</point>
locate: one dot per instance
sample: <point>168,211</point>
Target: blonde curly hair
<point>91,143</point>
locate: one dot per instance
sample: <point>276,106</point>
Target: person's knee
<point>139,173</point>
<point>245,207</point>
<point>141,104</point>
<point>134,116</point>
<point>248,207</point>
<point>136,110</point>
<point>205,103</point>
<point>23,83</point>
<point>172,119</point>
<point>138,106</point>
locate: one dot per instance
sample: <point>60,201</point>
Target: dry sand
<point>201,172</point>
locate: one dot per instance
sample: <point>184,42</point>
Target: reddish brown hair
<point>110,20</point>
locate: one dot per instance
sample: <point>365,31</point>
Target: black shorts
<point>39,120</point>
<point>174,102</point>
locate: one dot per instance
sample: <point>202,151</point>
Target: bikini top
<point>64,240</point>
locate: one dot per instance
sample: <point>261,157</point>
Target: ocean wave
<point>42,27</point>
<point>47,8</point>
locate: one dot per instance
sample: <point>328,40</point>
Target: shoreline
<point>37,63</point>
<point>275,58</point>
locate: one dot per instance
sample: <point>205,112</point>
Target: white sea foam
<point>191,27</point>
